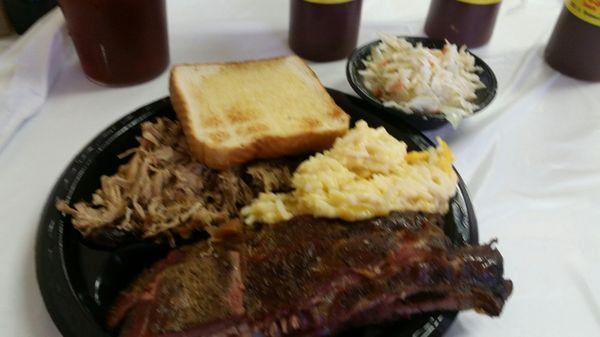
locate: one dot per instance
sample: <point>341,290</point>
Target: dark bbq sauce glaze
<point>324,32</point>
<point>574,47</point>
<point>460,22</point>
<point>119,42</point>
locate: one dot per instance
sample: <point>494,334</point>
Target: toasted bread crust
<point>181,108</point>
<point>266,146</point>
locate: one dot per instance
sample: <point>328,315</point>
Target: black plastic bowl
<point>422,120</point>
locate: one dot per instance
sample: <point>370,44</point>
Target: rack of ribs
<point>311,277</point>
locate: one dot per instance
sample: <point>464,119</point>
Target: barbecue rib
<point>309,277</point>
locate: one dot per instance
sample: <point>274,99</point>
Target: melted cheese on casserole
<point>367,173</point>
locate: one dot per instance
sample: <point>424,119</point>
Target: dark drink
<point>463,22</point>
<point>324,30</point>
<point>119,42</point>
<point>574,47</point>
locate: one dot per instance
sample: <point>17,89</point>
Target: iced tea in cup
<point>119,42</point>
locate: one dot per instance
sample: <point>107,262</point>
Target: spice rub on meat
<point>311,277</point>
<point>164,193</point>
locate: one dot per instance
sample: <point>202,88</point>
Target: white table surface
<point>531,160</point>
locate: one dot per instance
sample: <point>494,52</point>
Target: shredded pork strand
<point>162,190</point>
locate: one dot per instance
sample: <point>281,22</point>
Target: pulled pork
<point>163,192</point>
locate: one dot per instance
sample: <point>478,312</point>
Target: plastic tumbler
<point>119,42</point>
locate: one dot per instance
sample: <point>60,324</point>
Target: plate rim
<point>60,298</point>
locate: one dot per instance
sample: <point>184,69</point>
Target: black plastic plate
<point>78,282</point>
<point>420,120</point>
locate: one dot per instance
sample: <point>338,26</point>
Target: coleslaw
<point>417,79</point>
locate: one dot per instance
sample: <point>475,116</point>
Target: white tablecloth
<point>531,160</point>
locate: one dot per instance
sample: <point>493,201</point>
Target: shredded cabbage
<point>416,78</point>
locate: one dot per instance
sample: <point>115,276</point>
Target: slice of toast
<point>232,113</point>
